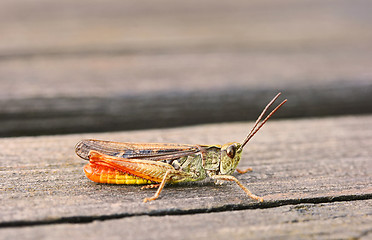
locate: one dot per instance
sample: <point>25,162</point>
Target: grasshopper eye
<point>231,150</point>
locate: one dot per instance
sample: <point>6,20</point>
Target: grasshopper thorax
<point>230,157</point>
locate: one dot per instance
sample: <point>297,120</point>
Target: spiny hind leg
<point>150,186</point>
<point>161,186</point>
<point>232,178</point>
<point>244,171</point>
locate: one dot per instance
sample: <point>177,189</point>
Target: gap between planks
<point>231,207</point>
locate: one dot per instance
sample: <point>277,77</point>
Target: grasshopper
<point>156,164</point>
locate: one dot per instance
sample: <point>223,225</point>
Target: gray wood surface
<point>80,66</point>
<point>317,169</point>
<point>338,220</point>
<point>42,28</point>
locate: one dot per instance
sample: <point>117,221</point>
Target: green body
<point>212,160</point>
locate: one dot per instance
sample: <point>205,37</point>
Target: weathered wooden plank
<point>105,94</point>
<point>30,28</point>
<point>77,66</point>
<point>294,161</point>
<point>339,220</point>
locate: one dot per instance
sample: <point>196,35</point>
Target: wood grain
<point>338,220</point>
<point>297,161</point>
<point>44,28</point>
<point>83,66</point>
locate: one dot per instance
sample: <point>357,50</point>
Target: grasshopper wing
<point>145,151</point>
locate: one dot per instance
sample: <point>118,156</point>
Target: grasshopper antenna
<point>257,127</point>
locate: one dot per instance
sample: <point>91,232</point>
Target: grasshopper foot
<point>244,171</point>
<point>149,199</point>
<point>260,199</point>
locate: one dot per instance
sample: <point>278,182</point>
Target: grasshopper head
<point>230,157</point>
<point>231,152</point>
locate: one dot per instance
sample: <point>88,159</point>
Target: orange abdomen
<point>105,174</point>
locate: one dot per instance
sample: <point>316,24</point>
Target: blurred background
<point>84,65</point>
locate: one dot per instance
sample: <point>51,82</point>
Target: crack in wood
<point>159,213</point>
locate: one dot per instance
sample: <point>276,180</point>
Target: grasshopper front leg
<point>232,178</point>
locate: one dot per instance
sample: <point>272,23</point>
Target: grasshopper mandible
<point>156,164</point>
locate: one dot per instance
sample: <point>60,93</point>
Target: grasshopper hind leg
<point>232,178</point>
<point>150,186</point>
<point>161,186</point>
